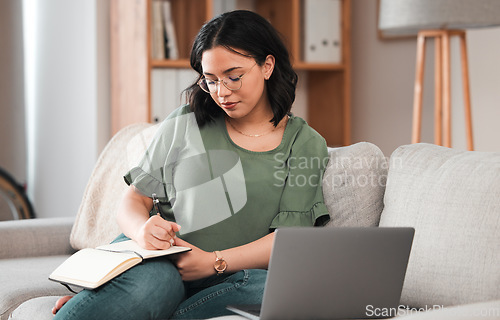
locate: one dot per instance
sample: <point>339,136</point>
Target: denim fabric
<point>208,298</point>
<point>155,290</point>
<point>151,290</point>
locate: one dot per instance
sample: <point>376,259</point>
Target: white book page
<point>130,245</point>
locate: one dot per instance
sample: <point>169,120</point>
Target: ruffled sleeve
<point>302,201</point>
<point>317,215</point>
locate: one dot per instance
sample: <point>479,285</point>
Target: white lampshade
<point>407,17</point>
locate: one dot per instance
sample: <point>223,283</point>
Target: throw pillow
<point>452,199</point>
<point>354,184</point>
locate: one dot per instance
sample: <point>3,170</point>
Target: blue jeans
<point>155,290</point>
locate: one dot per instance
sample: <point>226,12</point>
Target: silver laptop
<point>333,273</point>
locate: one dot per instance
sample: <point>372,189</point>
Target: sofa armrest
<point>35,237</point>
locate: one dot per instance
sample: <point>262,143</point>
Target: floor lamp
<point>439,20</point>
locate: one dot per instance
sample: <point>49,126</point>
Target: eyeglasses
<point>232,83</point>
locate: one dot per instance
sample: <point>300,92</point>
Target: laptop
<point>333,273</point>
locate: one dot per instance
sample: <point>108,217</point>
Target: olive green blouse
<point>223,195</point>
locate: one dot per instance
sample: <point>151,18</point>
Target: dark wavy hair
<point>249,34</point>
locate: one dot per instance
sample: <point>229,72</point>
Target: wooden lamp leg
<point>446,90</point>
<point>419,78</point>
<point>438,92</point>
<point>442,87</point>
<point>465,82</point>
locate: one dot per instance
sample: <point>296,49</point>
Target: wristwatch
<point>220,264</point>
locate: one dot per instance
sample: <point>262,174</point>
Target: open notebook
<point>90,268</point>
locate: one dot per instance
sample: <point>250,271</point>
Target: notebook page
<point>130,245</point>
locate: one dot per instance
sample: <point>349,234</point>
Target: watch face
<point>220,265</point>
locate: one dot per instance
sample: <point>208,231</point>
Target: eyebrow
<point>224,72</point>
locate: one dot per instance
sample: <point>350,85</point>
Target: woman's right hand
<point>157,233</point>
<point>134,221</point>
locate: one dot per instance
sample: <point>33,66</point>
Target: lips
<point>228,105</point>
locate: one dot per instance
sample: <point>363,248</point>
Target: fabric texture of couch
<point>450,197</point>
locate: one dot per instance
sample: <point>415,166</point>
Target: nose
<point>222,91</point>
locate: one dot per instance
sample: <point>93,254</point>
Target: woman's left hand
<point>195,264</point>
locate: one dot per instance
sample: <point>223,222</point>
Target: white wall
<point>12,138</point>
<point>383,79</point>
<point>67,99</point>
<point>383,73</point>
<point>484,68</point>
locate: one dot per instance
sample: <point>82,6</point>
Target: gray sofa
<point>450,197</point>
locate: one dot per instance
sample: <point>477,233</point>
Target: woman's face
<point>220,63</point>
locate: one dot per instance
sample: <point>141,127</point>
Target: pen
<point>157,210</point>
<point>155,204</point>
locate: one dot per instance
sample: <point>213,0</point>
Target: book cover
<point>158,40</point>
<point>171,44</point>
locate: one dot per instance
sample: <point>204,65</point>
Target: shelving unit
<point>328,84</point>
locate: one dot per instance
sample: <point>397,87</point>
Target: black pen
<point>157,209</point>
<point>155,204</point>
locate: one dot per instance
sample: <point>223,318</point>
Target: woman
<point>228,168</point>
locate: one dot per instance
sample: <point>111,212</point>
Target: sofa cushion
<point>354,184</point>
<point>37,308</point>
<point>452,199</point>
<point>95,222</point>
<point>26,278</point>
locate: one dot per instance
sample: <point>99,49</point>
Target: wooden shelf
<point>179,63</point>
<point>328,84</point>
